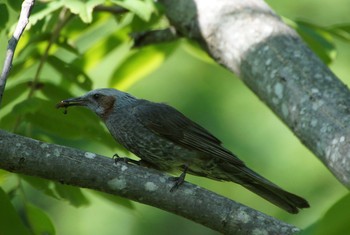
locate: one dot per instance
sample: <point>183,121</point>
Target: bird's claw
<point>126,160</point>
<point>179,180</point>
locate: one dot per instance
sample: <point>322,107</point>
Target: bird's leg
<point>124,159</point>
<point>179,180</point>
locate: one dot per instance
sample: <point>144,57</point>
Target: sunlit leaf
<point>194,49</point>
<point>39,221</point>
<point>10,222</point>
<point>41,10</point>
<point>140,64</point>
<point>142,9</point>
<point>340,31</point>
<point>82,8</point>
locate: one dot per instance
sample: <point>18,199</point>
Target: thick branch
<point>250,40</point>
<point>83,169</point>
<point>22,23</point>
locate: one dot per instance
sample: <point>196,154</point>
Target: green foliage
<point>11,223</point>
<point>68,49</point>
<point>335,221</point>
<point>39,222</point>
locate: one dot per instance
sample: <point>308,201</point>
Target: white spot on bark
<point>275,100</point>
<point>334,141</point>
<point>342,139</point>
<point>44,145</point>
<point>318,75</point>
<point>285,110</point>
<point>268,88</point>
<point>89,155</point>
<point>268,62</point>
<point>278,89</point>
<point>124,168</point>
<point>188,191</point>
<point>314,122</point>
<point>18,145</point>
<point>57,152</point>
<point>150,186</point>
<point>117,184</point>
<point>316,105</point>
<point>315,90</point>
<point>243,216</point>
<point>162,179</point>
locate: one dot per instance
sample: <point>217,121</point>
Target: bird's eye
<point>96,96</point>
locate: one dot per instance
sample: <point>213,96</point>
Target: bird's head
<point>101,101</point>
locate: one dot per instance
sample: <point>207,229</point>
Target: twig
<point>147,186</point>
<point>22,23</point>
<point>155,36</point>
<point>111,9</point>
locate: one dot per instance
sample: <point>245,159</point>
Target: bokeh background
<point>219,101</point>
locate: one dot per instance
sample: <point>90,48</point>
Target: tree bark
<point>250,40</point>
<point>88,170</point>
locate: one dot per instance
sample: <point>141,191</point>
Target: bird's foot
<point>179,180</point>
<point>117,159</point>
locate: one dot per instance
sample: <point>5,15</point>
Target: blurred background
<point>219,101</point>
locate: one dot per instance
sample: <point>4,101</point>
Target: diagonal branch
<point>249,39</point>
<point>83,169</point>
<point>22,23</point>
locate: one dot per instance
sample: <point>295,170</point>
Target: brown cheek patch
<point>107,102</point>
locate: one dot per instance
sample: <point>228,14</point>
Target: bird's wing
<point>173,125</point>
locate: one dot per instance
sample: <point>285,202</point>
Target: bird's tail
<point>266,189</point>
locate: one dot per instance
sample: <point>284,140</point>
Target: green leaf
<point>115,199</point>
<point>140,64</point>
<point>15,4</point>
<point>13,93</point>
<point>335,221</point>
<point>43,185</point>
<point>42,10</point>
<point>69,126</point>
<point>43,115</point>
<point>142,9</point>
<point>39,221</point>
<point>55,93</point>
<point>72,194</point>
<point>4,16</point>
<point>196,51</point>
<point>340,31</point>
<point>10,222</point>
<point>71,72</point>
<point>28,106</point>
<point>83,8</point>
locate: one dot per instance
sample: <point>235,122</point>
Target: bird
<point>165,139</point>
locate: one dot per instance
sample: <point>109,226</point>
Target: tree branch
<point>249,39</point>
<point>83,169</point>
<point>22,23</point>
<point>155,36</point>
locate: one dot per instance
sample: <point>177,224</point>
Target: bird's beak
<point>79,101</point>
